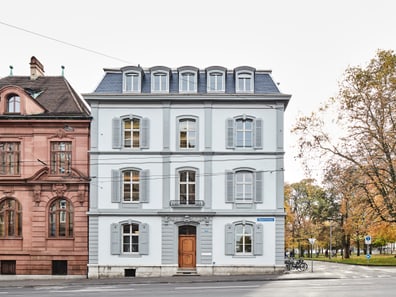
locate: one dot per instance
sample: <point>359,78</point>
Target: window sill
<point>11,238</point>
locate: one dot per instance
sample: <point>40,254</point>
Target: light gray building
<point>187,172</point>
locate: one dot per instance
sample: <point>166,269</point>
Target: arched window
<point>10,218</point>
<point>188,82</point>
<point>160,82</point>
<point>13,104</point>
<point>187,133</point>
<point>61,218</point>
<point>132,82</point>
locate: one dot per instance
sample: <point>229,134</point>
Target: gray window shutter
<point>258,240</point>
<point>143,239</point>
<point>145,136</point>
<point>258,195</point>
<point>229,239</point>
<point>258,134</point>
<point>230,133</point>
<point>229,191</point>
<point>115,239</point>
<point>117,133</point>
<point>115,186</point>
<point>144,186</point>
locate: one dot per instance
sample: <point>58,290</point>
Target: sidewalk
<point>319,273</point>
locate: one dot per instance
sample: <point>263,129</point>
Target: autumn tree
<point>307,207</point>
<point>357,128</point>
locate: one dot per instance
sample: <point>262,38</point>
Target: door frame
<point>180,247</point>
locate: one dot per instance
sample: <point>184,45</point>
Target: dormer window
<point>159,80</point>
<point>244,80</point>
<point>188,82</point>
<point>215,79</point>
<point>13,104</point>
<point>132,82</point>
<point>132,79</point>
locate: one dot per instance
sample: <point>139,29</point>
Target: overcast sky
<point>307,44</point>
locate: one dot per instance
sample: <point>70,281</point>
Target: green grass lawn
<point>375,260</point>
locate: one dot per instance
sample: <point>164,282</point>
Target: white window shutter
<point>143,239</point>
<point>230,133</point>
<point>258,139</point>
<point>145,130</point>
<point>229,239</point>
<point>115,239</point>
<point>116,133</point>
<point>229,189</point>
<point>116,186</point>
<point>258,194</point>
<point>258,240</point>
<point>144,186</point>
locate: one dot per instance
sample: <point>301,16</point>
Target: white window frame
<point>244,131</point>
<point>130,235</point>
<point>191,82</point>
<point>213,86</point>
<point>132,182</point>
<point>135,85</point>
<point>192,127</point>
<point>163,85</point>
<point>244,186</point>
<point>132,131</point>
<point>187,184</point>
<point>243,235</point>
<point>244,81</point>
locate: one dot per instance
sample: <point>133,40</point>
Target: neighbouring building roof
<point>53,93</point>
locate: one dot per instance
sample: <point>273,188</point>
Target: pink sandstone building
<point>44,175</point>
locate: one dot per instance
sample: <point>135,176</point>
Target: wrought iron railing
<point>179,203</point>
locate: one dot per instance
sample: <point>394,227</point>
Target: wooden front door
<point>187,255</point>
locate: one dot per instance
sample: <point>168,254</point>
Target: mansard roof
<point>112,82</point>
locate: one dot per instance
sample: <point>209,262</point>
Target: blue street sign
<point>368,256</point>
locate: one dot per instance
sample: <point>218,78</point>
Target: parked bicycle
<point>296,264</point>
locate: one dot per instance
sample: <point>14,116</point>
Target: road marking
<point>217,287</point>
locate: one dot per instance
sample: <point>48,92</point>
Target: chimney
<point>36,68</point>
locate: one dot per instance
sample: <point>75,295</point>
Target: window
<point>129,238</point>
<point>244,79</point>
<point>188,82</point>
<point>216,82</point>
<point>10,218</point>
<point>132,82</point>
<point>159,82</point>
<point>130,132</point>
<point>13,104</point>
<point>244,132</point>
<point>187,187</point>
<point>134,186</point>
<point>9,158</point>
<point>187,134</point>
<point>244,238</point>
<point>131,186</point>
<point>8,267</point>
<point>61,218</point>
<point>61,157</point>
<point>244,186</point>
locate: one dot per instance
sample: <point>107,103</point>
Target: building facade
<point>187,172</point>
<point>44,176</point>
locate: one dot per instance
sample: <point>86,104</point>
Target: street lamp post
<point>330,247</point>
<point>312,241</point>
